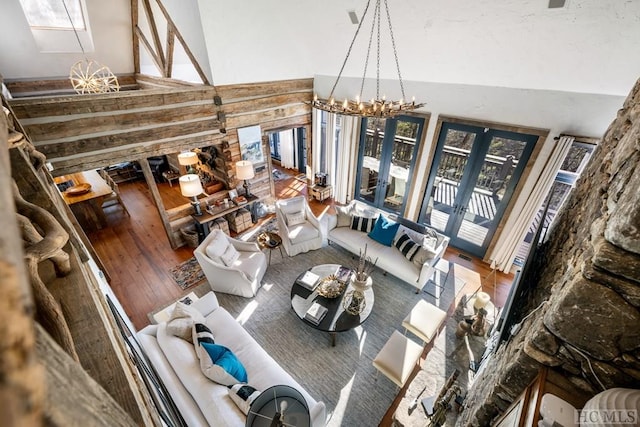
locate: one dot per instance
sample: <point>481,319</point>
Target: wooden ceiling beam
<point>154,33</point>
<point>154,55</point>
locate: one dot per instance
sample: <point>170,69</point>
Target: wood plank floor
<point>137,255</point>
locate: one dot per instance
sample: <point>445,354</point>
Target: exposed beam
<point>154,33</point>
<point>168,69</point>
<point>154,55</point>
<point>134,34</point>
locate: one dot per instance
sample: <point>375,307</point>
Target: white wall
<point>20,58</point>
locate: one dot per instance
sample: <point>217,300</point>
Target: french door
<point>386,160</point>
<point>473,176</point>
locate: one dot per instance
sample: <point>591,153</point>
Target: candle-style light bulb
<point>332,101</point>
<point>344,104</point>
<point>315,97</point>
<point>413,100</point>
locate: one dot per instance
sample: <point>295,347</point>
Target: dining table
<point>84,192</point>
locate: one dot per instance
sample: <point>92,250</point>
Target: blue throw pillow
<point>224,358</point>
<point>384,230</point>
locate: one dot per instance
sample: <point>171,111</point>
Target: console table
<point>203,222</point>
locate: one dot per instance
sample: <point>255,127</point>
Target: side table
<point>170,176</point>
<point>270,240</point>
<point>321,193</point>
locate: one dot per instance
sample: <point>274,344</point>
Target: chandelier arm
<point>378,53</point>
<point>395,52</point>
<point>366,62</point>
<point>349,51</point>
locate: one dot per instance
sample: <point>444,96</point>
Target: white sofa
<point>390,259</point>
<point>201,401</point>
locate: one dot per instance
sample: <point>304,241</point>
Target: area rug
<point>279,175</point>
<point>343,376</point>
<point>187,273</point>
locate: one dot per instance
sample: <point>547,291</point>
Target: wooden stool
<point>424,320</point>
<point>397,358</point>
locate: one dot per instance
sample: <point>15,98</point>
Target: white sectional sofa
<point>201,401</point>
<point>390,258</point>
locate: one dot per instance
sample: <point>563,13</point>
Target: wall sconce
<point>189,159</point>
<point>191,187</point>
<point>244,170</point>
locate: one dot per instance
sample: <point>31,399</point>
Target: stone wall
<point>588,285</point>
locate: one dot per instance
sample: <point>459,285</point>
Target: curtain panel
<point>518,224</point>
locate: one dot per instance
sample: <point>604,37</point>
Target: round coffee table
<point>337,318</point>
<point>270,240</point>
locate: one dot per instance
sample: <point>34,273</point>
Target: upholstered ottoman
<point>397,358</point>
<point>424,320</point>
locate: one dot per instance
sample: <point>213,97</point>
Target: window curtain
<point>346,159</point>
<point>519,221</point>
<point>316,141</point>
<point>287,152</point>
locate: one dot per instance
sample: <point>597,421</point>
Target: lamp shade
<point>482,299</point>
<point>244,169</point>
<point>190,185</point>
<point>188,158</point>
<point>280,405</point>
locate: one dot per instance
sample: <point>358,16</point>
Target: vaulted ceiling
<point>587,47</point>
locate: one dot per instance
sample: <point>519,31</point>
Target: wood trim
<point>53,130</point>
<point>496,125</point>
<point>135,47</point>
<point>155,194</point>
<point>154,55</point>
<point>148,82</point>
<point>154,34</point>
<point>249,90</point>
<point>168,66</point>
<point>185,46</point>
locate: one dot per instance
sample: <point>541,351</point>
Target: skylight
<point>51,14</point>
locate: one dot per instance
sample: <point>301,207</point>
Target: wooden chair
<point>113,199</point>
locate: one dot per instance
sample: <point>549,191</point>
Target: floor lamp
<point>244,170</point>
<point>191,187</point>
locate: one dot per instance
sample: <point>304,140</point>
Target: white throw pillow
<point>230,256</point>
<point>296,218</point>
<point>182,319</point>
<point>343,216</point>
<point>243,395</point>
<point>217,247</point>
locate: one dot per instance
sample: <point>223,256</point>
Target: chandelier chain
<point>395,51</point>
<point>73,26</point>
<point>355,36</point>
<point>366,61</point>
<point>377,14</point>
<point>377,107</point>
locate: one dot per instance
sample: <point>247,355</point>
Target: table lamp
<point>190,186</point>
<point>189,159</point>
<point>244,170</point>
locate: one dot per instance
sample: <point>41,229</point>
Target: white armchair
<point>298,226</point>
<point>237,270</point>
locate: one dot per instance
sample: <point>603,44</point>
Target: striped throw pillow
<point>362,224</point>
<point>408,247</point>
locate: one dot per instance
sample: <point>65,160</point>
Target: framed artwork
<point>250,139</point>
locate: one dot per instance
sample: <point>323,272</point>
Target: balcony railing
<point>494,174</point>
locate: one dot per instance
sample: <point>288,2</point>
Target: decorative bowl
<point>79,189</point>
<point>330,287</point>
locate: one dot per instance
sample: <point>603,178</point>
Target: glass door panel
<point>473,178</point>
<point>387,154</point>
<point>493,179</point>
<point>371,156</point>
<point>452,162</point>
<point>402,151</point>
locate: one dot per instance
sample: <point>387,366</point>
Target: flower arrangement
<point>365,265</point>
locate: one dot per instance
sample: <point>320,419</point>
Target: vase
<point>354,302</point>
<point>361,285</point>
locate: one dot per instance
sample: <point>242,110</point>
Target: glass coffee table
<point>337,319</point>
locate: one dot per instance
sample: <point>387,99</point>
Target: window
<point>574,163</point>
<point>52,29</point>
<point>51,14</point>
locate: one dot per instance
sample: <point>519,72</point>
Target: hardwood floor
<point>137,254</point>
